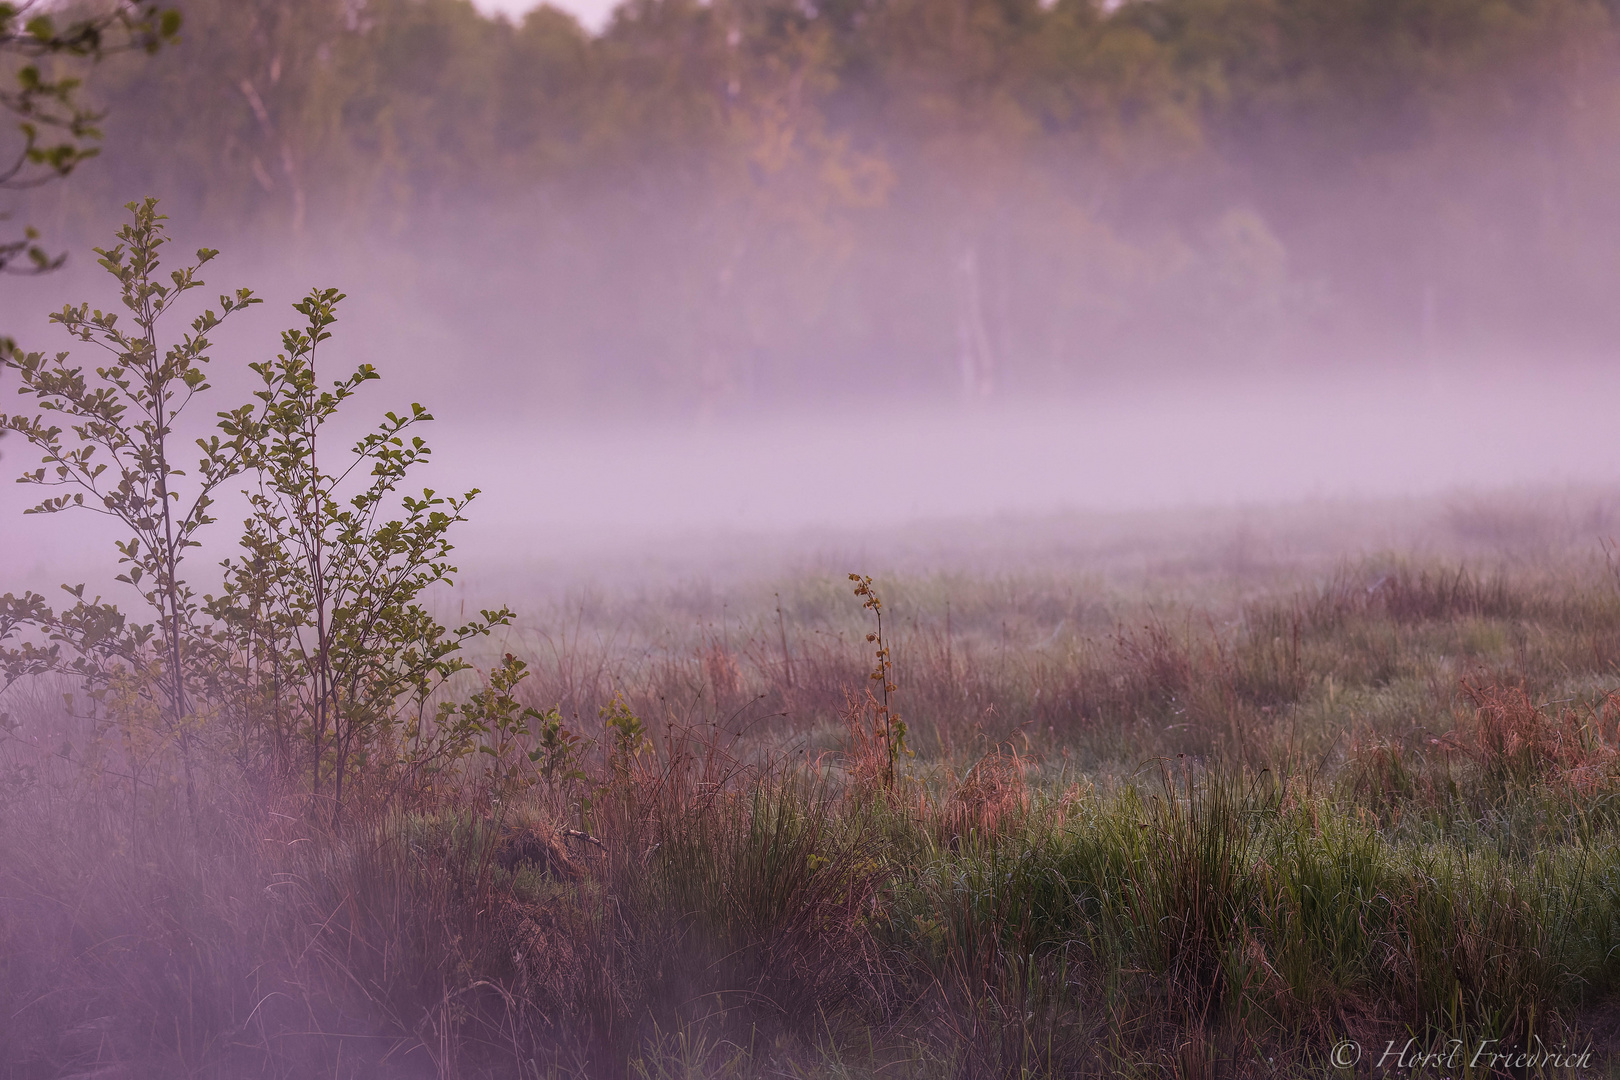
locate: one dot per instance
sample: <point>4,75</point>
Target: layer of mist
<point>753,276</point>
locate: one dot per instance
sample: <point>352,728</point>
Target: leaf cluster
<point>59,130</point>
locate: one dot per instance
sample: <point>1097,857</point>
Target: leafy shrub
<point>317,658</point>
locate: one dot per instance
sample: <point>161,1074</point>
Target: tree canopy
<point>742,198</point>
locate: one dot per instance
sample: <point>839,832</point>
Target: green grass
<point>1210,835</point>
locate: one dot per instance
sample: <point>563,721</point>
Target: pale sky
<point>593,13</point>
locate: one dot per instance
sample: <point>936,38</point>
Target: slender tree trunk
<point>169,583</point>
<point>976,360</point>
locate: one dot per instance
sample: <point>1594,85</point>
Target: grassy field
<point>1226,820</point>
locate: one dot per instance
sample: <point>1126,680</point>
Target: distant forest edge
<point>763,200</point>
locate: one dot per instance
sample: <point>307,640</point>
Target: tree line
<point>744,199</point>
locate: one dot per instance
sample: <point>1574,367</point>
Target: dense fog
<point>753,267</point>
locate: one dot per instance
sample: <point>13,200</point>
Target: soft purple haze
<point>593,14</point>
<point>578,492</point>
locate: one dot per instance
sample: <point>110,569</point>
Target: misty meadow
<point>968,538</point>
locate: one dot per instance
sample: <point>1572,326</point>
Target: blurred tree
<point>972,195</point>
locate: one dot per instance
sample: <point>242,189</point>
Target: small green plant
<point>494,723</point>
<point>557,750</point>
<point>627,735</point>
